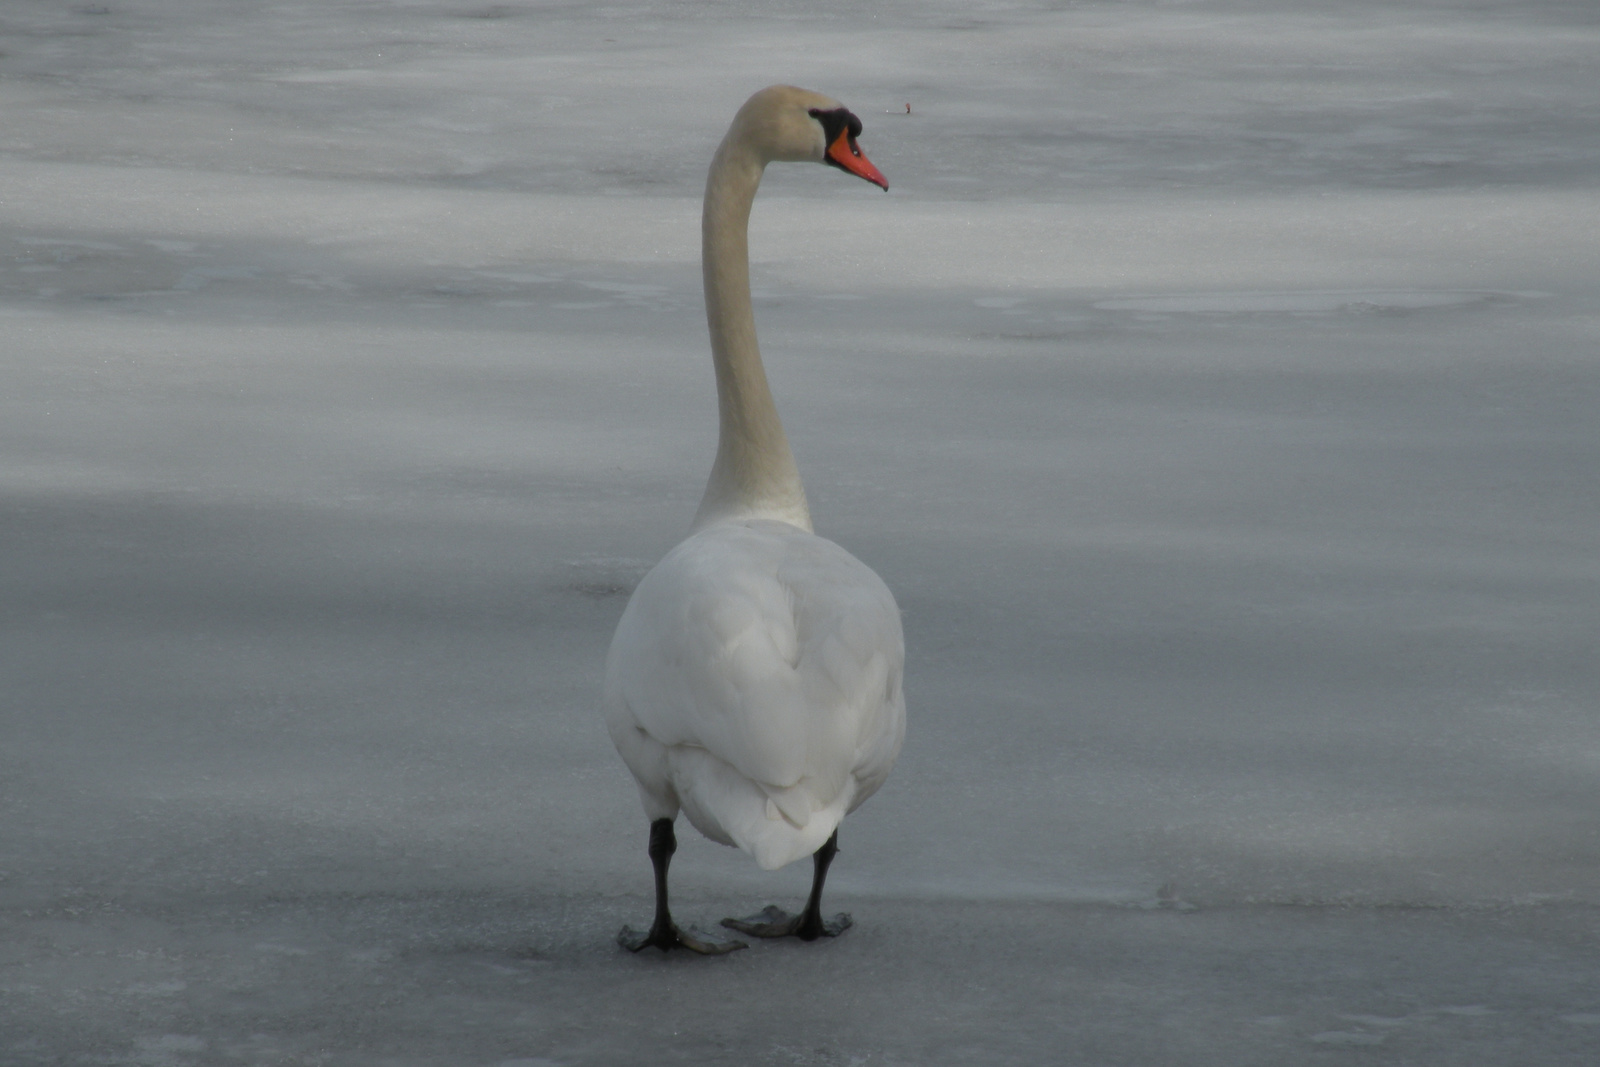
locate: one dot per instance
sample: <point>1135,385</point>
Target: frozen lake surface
<point>1215,388</point>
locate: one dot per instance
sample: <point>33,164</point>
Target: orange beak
<point>845,154</point>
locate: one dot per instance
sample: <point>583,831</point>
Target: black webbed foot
<point>773,921</point>
<point>671,936</point>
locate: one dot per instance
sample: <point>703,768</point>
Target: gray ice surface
<point>1217,389</point>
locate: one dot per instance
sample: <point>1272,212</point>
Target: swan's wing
<point>773,650</point>
<point>852,656</point>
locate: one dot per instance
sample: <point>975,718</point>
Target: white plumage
<point>754,680</point>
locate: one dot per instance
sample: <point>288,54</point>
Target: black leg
<point>811,924</point>
<point>664,933</point>
<point>663,843</point>
<point>773,921</point>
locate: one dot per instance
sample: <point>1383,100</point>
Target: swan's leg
<point>773,921</point>
<point>664,933</point>
<point>812,924</point>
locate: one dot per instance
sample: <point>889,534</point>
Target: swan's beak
<point>846,155</point>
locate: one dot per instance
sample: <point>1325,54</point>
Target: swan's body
<point>754,679</point>
<point>755,682</point>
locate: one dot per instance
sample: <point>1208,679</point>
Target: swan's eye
<point>836,121</point>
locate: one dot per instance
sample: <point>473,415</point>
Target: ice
<point>1308,302</point>
<point>1215,388</point>
<point>1346,1037</point>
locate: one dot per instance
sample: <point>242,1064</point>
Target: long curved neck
<point>754,475</point>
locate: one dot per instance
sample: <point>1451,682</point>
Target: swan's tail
<point>776,826</point>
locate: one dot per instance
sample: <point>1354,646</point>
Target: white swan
<point>754,679</point>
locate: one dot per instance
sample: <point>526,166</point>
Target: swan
<point>753,682</point>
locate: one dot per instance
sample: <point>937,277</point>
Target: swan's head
<point>793,125</point>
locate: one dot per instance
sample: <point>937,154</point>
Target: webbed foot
<point>773,921</point>
<point>670,935</point>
